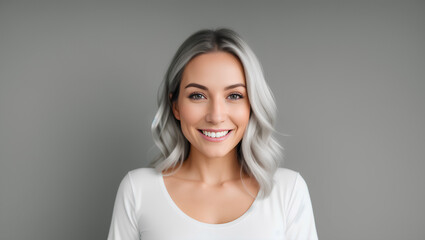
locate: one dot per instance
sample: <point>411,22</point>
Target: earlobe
<point>174,107</point>
<point>175,110</point>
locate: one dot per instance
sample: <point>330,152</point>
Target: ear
<point>175,108</point>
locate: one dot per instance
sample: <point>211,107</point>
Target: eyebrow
<point>205,88</point>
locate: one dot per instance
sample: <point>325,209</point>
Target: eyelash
<point>198,96</point>
<point>192,96</point>
<point>236,94</point>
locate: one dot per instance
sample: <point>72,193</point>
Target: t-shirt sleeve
<point>300,218</point>
<point>123,225</point>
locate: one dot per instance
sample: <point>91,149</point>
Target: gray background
<point>78,83</point>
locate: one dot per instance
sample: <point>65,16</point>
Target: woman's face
<point>213,106</point>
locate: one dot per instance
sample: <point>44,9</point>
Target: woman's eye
<point>235,96</point>
<point>196,96</point>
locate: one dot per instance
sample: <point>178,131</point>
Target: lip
<point>215,130</point>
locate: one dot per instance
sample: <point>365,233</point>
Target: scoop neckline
<point>210,225</point>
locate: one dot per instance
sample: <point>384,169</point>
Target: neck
<point>211,171</point>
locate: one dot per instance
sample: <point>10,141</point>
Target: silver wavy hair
<point>259,154</point>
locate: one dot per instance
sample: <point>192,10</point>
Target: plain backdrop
<point>78,85</point>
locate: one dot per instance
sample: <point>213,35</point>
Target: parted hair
<point>259,154</point>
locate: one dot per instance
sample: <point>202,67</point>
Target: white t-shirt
<point>144,210</point>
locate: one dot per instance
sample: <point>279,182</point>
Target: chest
<point>212,205</point>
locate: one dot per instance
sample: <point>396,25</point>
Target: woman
<point>218,174</point>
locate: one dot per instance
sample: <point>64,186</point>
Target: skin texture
<point>212,95</point>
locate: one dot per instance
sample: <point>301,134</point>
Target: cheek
<point>241,115</point>
<point>190,114</point>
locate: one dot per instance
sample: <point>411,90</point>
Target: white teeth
<point>215,134</point>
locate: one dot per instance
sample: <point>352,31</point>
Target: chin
<point>217,153</point>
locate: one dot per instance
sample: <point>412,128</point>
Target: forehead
<point>214,69</point>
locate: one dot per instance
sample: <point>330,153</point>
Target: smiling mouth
<point>215,134</point>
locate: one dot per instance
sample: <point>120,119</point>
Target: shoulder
<point>139,182</point>
<point>138,175</point>
<point>142,175</point>
<point>285,176</point>
<point>290,181</point>
<point>143,172</point>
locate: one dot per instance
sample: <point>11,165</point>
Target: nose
<point>217,111</point>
